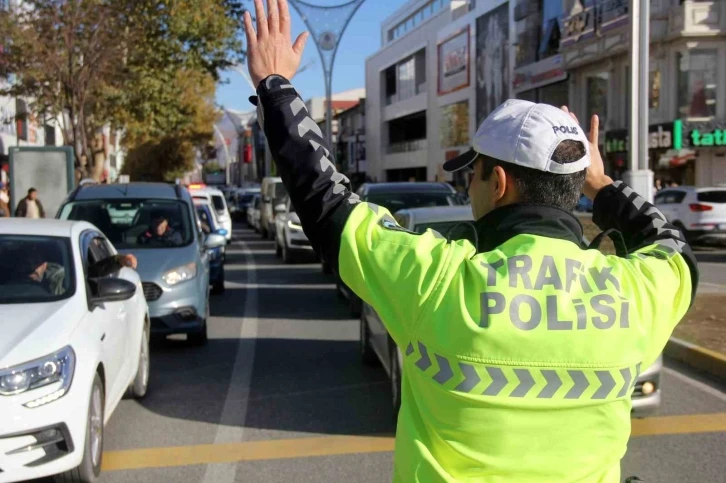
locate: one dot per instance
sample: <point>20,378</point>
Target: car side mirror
<point>214,240</point>
<point>111,290</point>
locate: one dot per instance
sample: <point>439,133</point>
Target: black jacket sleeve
<point>320,194</point>
<point>105,267</point>
<point>21,209</point>
<point>641,224</point>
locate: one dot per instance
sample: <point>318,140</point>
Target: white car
<point>253,212</point>
<point>699,212</point>
<point>72,346</point>
<point>217,199</point>
<point>450,221</point>
<point>290,239</point>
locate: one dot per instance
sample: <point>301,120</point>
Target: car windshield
<point>136,223</point>
<point>402,200</point>
<point>218,202</point>
<point>35,269</point>
<point>712,196</point>
<point>279,192</point>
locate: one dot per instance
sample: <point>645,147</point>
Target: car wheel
<point>90,466</point>
<point>200,338</point>
<point>140,384</point>
<point>356,305</point>
<point>218,287</point>
<point>263,232</point>
<point>278,250</point>
<point>367,355</point>
<point>395,379</point>
<point>327,269</point>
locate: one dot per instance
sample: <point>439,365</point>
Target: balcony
<point>407,146</point>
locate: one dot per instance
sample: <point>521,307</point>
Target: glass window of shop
<point>596,101</point>
<point>697,82</point>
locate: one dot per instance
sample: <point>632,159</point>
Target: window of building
<point>390,80</point>
<point>406,79</point>
<point>49,132</point>
<point>407,133</point>
<point>697,76</point>
<point>596,97</point>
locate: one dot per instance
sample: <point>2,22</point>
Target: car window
<point>35,269</point>
<point>277,192</point>
<point>659,199</point>
<point>205,219</point>
<point>403,201</point>
<point>218,202</point>
<point>154,224</point>
<point>712,196</point>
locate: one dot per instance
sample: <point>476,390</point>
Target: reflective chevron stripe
<point>523,382</point>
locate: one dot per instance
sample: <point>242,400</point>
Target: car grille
<point>151,291</point>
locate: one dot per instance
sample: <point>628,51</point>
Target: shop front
<point>679,153</point>
<point>544,82</point>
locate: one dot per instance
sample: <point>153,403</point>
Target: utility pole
<point>639,176</point>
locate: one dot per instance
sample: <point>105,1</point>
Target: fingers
<point>299,44</point>
<point>261,19</point>
<point>284,18</point>
<point>250,31</point>
<point>273,13</point>
<point>594,129</point>
<point>572,114</point>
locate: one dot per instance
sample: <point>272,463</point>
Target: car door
<point>112,317</point>
<point>663,201</point>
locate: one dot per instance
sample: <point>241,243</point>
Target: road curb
<point>712,362</point>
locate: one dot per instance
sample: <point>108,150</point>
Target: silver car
<point>377,346</point>
<point>156,222</point>
<point>291,242</point>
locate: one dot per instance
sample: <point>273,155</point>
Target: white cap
<point>525,133</point>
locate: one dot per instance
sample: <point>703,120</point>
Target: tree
<point>212,167</point>
<point>95,62</point>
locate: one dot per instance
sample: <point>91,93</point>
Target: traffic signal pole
<point>639,176</point>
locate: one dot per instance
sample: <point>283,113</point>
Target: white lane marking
<point>697,384</point>
<point>234,413</point>
<point>286,286</point>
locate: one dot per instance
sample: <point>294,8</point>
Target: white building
<point>425,96</point>
<point>445,64</point>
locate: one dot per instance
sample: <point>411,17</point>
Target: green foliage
<point>212,167</point>
<point>148,67</point>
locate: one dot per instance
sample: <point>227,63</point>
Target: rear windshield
<point>278,191</point>
<point>712,196</point>
<point>403,201</point>
<point>218,202</point>
<point>246,198</point>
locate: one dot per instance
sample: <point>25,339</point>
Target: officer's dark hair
<point>540,187</point>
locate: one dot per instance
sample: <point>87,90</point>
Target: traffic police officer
<point>520,352</point>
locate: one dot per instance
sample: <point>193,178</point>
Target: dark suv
<point>395,197</point>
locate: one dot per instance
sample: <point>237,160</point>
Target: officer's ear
<point>499,181</point>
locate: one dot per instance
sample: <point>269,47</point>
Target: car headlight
<point>180,274</point>
<point>293,226</point>
<point>53,368</point>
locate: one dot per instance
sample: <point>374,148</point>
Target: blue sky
<point>361,39</point>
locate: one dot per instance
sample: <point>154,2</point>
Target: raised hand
<point>595,179</point>
<point>269,49</point>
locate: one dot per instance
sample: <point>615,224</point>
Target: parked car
<point>699,212</point>
<point>243,199</point>
<point>210,224</point>
<point>157,223</point>
<point>291,242</point>
<point>253,213</point>
<point>273,197</point>
<point>216,197</point>
<point>377,346</point>
<point>395,197</point>
<point>72,346</point>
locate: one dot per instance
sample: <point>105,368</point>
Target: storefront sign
<point>454,62</point>
<point>717,137</point>
<point>611,14</point>
<point>542,73</point>
<point>492,61</point>
<point>578,25</point>
<point>660,136</point>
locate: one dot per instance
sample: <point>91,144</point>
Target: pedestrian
<point>520,351</point>
<point>30,206</point>
<point>4,202</point>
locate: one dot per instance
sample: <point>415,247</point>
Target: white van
<point>273,201</point>
<point>217,199</point>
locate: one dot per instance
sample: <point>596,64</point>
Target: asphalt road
<point>279,395</point>
<point>712,265</point>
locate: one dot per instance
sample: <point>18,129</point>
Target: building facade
<point>350,146</point>
<point>446,64</point>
